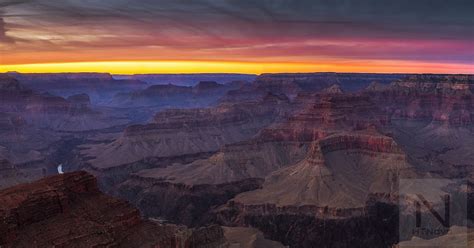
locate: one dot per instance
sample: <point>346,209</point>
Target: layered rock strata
<point>69,211</point>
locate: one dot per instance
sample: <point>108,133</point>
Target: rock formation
<point>178,132</point>
<point>285,148</point>
<point>437,98</point>
<point>312,82</point>
<point>292,84</point>
<point>339,172</point>
<point>69,210</point>
<point>180,203</point>
<point>431,115</point>
<point>205,93</point>
<point>49,111</point>
<point>101,87</point>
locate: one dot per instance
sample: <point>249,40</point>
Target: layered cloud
<point>309,31</point>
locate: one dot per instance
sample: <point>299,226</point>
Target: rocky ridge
<point>204,94</point>
<point>441,99</point>
<point>178,132</point>
<point>69,210</point>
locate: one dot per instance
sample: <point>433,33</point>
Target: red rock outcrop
<point>438,98</point>
<point>372,143</point>
<point>328,190</point>
<point>328,120</point>
<point>351,192</point>
<point>69,211</point>
<point>320,115</point>
<point>339,171</point>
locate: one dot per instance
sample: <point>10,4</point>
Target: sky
<point>246,36</point>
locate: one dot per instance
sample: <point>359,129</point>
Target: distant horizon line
<point>242,67</point>
<point>236,73</point>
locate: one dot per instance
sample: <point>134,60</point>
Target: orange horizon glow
<point>186,66</point>
<point>222,36</point>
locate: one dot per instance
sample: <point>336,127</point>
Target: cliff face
<point>175,137</point>
<point>278,145</point>
<point>284,155</point>
<point>69,211</point>
<point>359,145</point>
<point>368,142</point>
<point>300,227</point>
<point>441,99</point>
<point>312,82</point>
<point>430,116</point>
<point>44,110</point>
<point>52,201</point>
<point>293,84</point>
<point>180,203</point>
<point>182,132</point>
<point>319,115</point>
<point>338,172</point>
<point>321,166</point>
<point>347,162</point>
<point>17,100</point>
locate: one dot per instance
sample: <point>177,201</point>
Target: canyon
<point>275,160</point>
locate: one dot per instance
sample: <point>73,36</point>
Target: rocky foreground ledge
<point>69,211</point>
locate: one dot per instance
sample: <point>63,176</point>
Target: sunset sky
<point>249,36</point>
